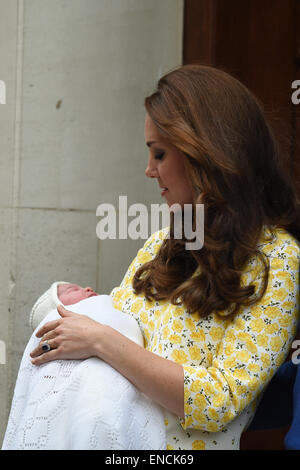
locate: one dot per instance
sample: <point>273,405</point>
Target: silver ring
<point>46,346</point>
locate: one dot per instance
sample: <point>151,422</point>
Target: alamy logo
<point>2,92</point>
<point>2,352</point>
<point>296,354</point>
<point>188,223</point>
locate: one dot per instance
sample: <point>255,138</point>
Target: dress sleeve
<point>255,343</point>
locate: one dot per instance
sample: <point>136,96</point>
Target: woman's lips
<point>164,190</point>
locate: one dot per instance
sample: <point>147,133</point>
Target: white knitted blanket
<point>83,404</point>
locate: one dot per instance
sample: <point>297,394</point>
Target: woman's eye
<point>159,156</point>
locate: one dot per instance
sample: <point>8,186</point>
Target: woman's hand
<point>71,337</point>
<point>76,336</point>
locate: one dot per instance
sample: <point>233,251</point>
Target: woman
<point>218,321</point>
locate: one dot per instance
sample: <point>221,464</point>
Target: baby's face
<point>70,294</point>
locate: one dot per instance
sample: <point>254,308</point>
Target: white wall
<point>72,137</point>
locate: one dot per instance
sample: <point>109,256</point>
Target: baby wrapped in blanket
<point>80,404</point>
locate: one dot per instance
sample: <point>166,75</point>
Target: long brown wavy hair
<point>237,170</point>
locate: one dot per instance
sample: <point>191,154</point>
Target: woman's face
<point>166,164</point>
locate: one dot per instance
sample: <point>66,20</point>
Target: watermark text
<point>188,221</point>
<point>2,92</point>
<point>296,354</point>
<point>2,352</point>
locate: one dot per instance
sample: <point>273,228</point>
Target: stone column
<point>72,137</point>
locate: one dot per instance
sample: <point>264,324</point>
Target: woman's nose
<point>151,170</point>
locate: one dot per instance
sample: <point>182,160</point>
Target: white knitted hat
<point>48,301</point>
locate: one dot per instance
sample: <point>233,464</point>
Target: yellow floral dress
<point>227,362</point>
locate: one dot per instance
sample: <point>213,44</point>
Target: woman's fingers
<point>72,337</point>
<point>47,333</point>
<point>64,312</point>
<point>50,335</point>
<point>44,341</point>
<point>46,357</point>
<point>51,325</point>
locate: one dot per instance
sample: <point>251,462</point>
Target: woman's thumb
<point>63,312</point>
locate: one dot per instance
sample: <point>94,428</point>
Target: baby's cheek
<point>74,297</point>
<point>63,299</point>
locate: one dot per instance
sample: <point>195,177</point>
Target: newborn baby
<point>80,404</point>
